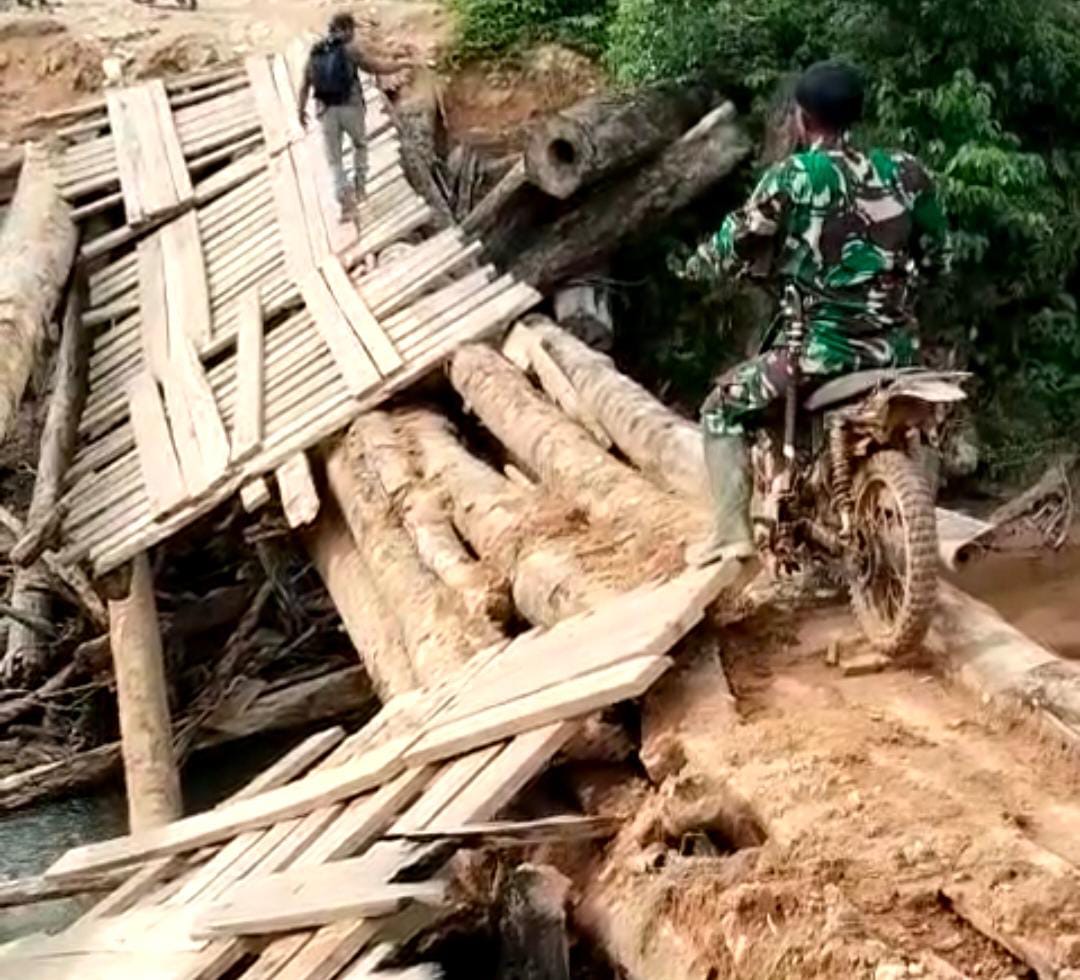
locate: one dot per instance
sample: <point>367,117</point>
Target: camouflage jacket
<point>847,228</point>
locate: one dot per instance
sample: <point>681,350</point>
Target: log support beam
<point>150,770</point>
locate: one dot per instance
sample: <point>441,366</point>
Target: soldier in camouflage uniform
<point>848,229</point>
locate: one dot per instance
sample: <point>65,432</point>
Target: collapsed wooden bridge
<point>236,325</point>
<point>237,322</point>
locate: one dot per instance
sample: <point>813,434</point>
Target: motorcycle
<point>842,482</point>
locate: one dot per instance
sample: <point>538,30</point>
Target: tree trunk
<point>603,135</point>
<point>37,246</point>
<point>423,513</point>
<point>533,943</point>
<point>488,211</point>
<point>60,434</point>
<point>370,623</point>
<point>82,771</point>
<point>439,634</point>
<point>661,443</point>
<point>578,241</point>
<point>27,657</point>
<point>559,451</point>
<point>509,526</point>
<point>153,784</point>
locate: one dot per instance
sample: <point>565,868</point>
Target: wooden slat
<point>126,150</point>
<point>288,98</point>
<point>322,789</point>
<point>267,102</point>
<point>255,495</point>
<point>577,697</point>
<point>360,318</point>
<point>318,239</point>
<point>299,498</point>
<point>186,290</point>
<point>157,458</point>
<point>153,308</point>
<point>298,257</point>
<point>170,141</point>
<point>250,375</point>
<point>349,355</point>
<point>189,384</point>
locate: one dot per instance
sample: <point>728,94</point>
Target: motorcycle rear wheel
<point>894,569</point>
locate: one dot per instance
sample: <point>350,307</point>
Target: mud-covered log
<point>66,777</point>
<point>605,134</point>
<point>439,634</point>
<point>506,524</point>
<point>28,891</point>
<point>560,452</point>
<point>60,434</point>
<point>424,514</point>
<point>37,246</point>
<point>661,443</point>
<point>26,658</point>
<point>371,625</point>
<point>585,236</point>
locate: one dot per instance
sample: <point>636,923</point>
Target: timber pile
<point>300,852</point>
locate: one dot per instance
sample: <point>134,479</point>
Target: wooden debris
<point>299,498</point>
<point>512,833</point>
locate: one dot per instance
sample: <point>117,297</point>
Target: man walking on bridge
<point>332,76</point>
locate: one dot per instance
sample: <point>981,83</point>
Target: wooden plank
<point>360,318</point>
<point>170,141</point>
<point>299,498</point>
<point>192,386</point>
<point>294,763</point>
<point>165,487</point>
<point>629,679</point>
<point>157,192</point>
<point>513,833</point>
<point>288,96</point>
<point>321,789</point>
<point>349,355</point>
<point>337,892</point>
<point>314,221</point>
<point>153,311</point>
<point>186,292</point>
<point>196,476</point>
<point>298,256</point>
<point>126,149</point>
<point>254,495</point>
<point>267,103</point>
<point>250,353</point>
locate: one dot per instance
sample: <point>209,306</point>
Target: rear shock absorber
<point>841,475</point>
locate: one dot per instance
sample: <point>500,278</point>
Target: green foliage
<point>982,90</point>
<point>489,27</point>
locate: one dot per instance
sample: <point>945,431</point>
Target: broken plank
<point>254,495</point>
<point>360,318</point>
<point>293,764</point>
<point>157,457</point>
<point>514,833</point>
<point>298,256</point>
<point>629,679</point>
<point>321,789</point>
<point>126,148</point>
<point>250,370</point>
<point>349,355</point>
<point>153,309</point>
<point>336,892</point>
<point>299,498</point>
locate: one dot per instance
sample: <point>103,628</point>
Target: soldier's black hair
<point>832,93</point>
<point>343,23</point>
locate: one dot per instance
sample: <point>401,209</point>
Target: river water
<point>31,839</point>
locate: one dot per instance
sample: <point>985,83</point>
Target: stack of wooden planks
<point>256,324</point>
<point>300,875</point>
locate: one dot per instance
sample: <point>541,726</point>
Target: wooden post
<point>153,785</point>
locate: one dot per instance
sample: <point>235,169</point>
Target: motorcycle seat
<point>849,386</point>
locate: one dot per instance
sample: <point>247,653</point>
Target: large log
<point>565,457</point>
<point>370,623</point>
<point>590,233</point>
<point>439,634</point>
<point>605,134</point>
<point>37,246</point>
<point>150,771</point>
<point>60,434</point>
<point>27,655</point>
<point>423,513</point>
<point>507,524</point>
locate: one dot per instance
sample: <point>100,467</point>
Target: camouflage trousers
<point>746,390</point>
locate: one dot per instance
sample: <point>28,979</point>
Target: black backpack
<point>333,75</point>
